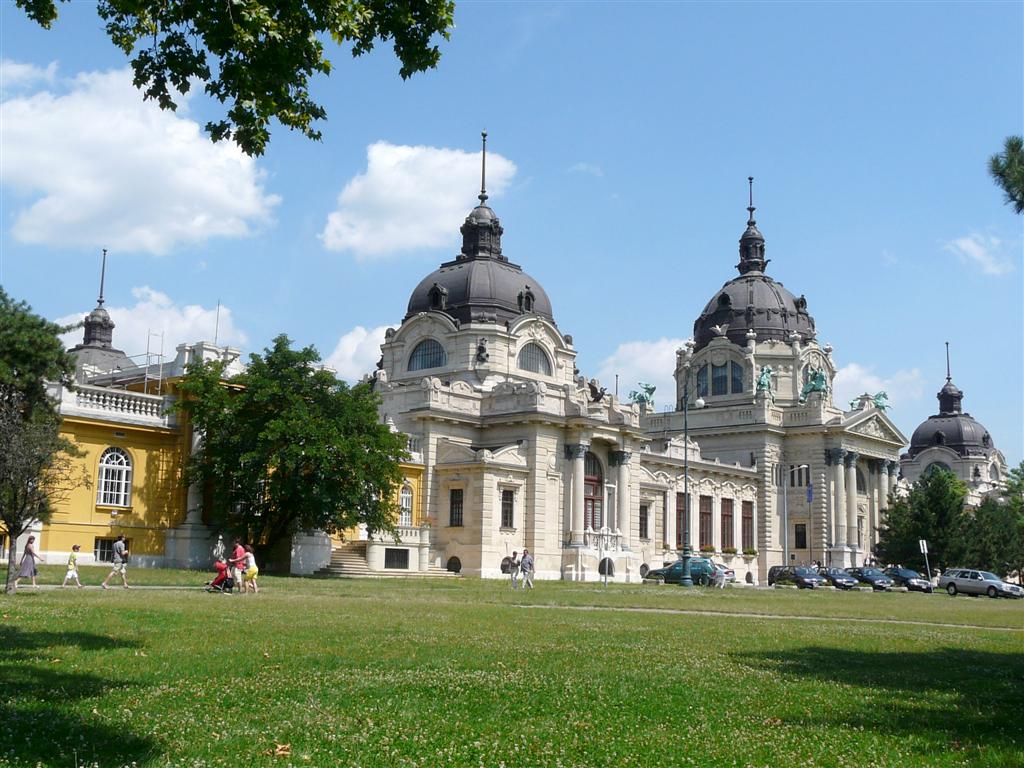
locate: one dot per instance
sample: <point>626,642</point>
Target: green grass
<point>466,673</point>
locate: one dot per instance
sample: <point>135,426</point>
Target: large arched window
<point>405,506</point>
<point>114,488</point>
<point>936,466</point>
<point>428,354</point>
<point>593,492</point>
<point>533,358</point>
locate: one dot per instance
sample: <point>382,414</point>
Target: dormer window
<point>939,438</point>
<point>526,301</point>
<point>438,296</point>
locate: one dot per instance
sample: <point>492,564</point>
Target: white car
<point>971,582</point>
<point>730,574</point>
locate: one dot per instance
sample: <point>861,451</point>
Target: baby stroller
<point>222,582</point>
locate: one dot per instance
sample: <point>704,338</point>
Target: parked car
<point>877,580</point>
<point>730,574</point>
<point>911,579</point>
<point>972,582</point>
<point>702,570</point>
<point>804,577</point>
<point>837,577</point>
<point>773,572</point>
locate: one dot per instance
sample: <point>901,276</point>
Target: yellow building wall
<point>158,495</point>
<point>412,475</point>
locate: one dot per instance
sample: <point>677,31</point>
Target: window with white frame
<point>405,506</point>
<point>533,358</point>
<point>114,488</point>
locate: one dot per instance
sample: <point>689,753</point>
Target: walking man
<point>527,567</point>
<point>513,570</point>
<point>120,565</point>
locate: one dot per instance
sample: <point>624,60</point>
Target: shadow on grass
<point>38,721</point>
<point>962,699</point>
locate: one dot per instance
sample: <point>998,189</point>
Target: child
<point>251,572</point>
<point>218,583</point>
<point>72,568</point>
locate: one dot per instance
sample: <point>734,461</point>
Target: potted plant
<point>707,549</point>
<point>749,552</point>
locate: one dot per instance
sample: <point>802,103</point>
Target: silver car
<point>971,582</point>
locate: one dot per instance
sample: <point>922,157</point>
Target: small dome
<point>481,214</point>
<point>753,301</point>
<point>951,427</point>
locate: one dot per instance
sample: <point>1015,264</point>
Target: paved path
<point>780,616</point>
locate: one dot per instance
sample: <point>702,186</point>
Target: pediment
<point>877,427</point>
<point>449,452</point>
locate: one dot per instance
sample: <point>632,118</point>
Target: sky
<point>621,136</point>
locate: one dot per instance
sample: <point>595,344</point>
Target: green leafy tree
<point>994,532</point>
<point>31,354</point>
<point>933,511</point>
<point>37,470</point>
<point>257,56</point>
<point>1008,171</point>
<point>288,448</point>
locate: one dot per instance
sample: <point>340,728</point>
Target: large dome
<point>951,428</point>
<point>480,290</point>
<point>753,301</point>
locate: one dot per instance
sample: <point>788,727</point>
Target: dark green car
<point>701,571</point>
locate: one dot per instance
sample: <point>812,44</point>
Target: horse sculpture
<point>816,382</point>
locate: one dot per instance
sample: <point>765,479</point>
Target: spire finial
<point>948,375</point>
<point>750,206</point>
<point>103,275</point>
<point>483,169</point>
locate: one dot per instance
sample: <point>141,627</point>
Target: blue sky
<point>623,135</point>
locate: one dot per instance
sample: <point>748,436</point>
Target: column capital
<point>851,458</point>
<point>834,455</point>
<point>892,466</point>
<point>619,458</point>
<point>576,450</point>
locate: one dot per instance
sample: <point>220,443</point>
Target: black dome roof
<point>951,427</point>
<point>753,301</point>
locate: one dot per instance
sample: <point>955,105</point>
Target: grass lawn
<point>467,673</point>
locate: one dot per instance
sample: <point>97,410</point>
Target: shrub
<point>728,550</point>
<point>749,551</point>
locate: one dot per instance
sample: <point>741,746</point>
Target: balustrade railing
<point>134,406</point>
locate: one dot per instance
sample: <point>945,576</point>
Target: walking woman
<point>28,563</point>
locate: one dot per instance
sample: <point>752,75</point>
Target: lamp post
<point>685,579</point>
<point>785,511</point>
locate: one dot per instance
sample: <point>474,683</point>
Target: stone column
<point>894,469</point>
<point>838,498</point>
<point>851,498</point>
<point>620,459</point>
<point>194,497</point>
<point>670,520</point>
<point>666,513</point>
<point>575,453</point>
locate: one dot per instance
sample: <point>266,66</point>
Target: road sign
<point>924,546</point>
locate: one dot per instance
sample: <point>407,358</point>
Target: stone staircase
<point>349,562</point>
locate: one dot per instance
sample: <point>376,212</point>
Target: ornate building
<point>954,441</point>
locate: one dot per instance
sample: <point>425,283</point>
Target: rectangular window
<point>682,521</point>
<point>800,534</point>
<point>727,521</point>
<point>706,522</point>
<point>508,505</point>
<point>748,525</point>
<point>3,545</point>
<point>396,558</point>
<point>702,381</point>
<point>455,507</point>
<point>644,533</point>
<point>737,378</point>
<point>719,380</point>
<point>103,549</point>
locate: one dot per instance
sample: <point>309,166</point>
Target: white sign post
<point>924,551</point>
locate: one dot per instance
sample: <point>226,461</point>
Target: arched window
<point>939,439</point>
<point>405,506</point>
<point>526,301</point>
<point>428,354</point>
<point>993,473</point>
<point>454,565</point>
<point>644,570</point>
<point>114,488</point>
<point>606,567</point>
<point>533,358</point>
<point>719,380</point>
<point>506,564</point>
<point>593,493</point>
<point>702,381</point>
<point>438,297</point>
<point>936,466</point>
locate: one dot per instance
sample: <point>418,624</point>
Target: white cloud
<point>981,251</point>
<point>357,352</point>
<point>410,198</point>
<point>99,166</point>
<point>853,379</point>
<point>157,312</point>
<point>652,362</point>
<point>15,75</point>
<point>588,168</point>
